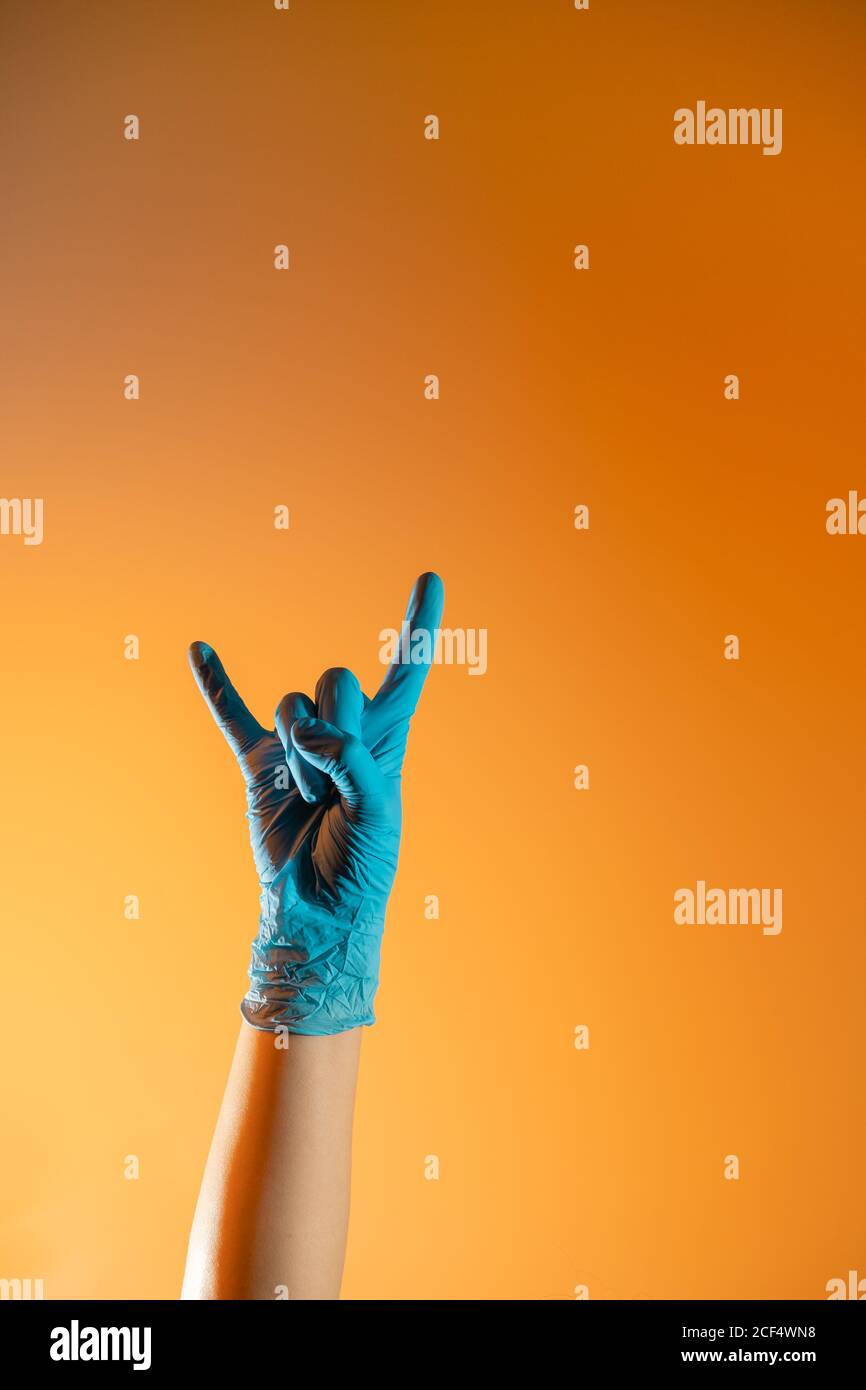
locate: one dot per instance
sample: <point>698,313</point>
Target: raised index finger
<point>404,680</point>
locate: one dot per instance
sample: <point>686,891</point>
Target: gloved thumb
<point>342,757</point>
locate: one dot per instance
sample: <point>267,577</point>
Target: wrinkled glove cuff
<point>313,970</point>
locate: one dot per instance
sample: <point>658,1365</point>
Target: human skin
<point>273,1210</point>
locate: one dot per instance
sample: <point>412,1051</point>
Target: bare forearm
<point>273,1210</point>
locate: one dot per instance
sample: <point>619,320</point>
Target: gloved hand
<point>323,805</point>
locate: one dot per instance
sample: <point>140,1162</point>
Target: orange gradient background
<point>408,257</point>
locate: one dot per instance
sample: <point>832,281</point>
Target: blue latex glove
<point>323,805</point>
